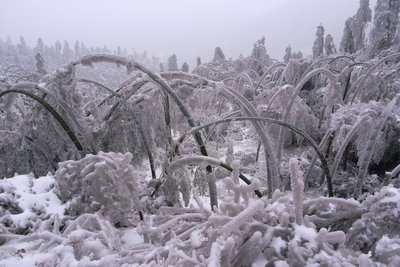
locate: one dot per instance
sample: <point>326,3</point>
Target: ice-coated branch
<point>344,144</point>
<point>236,222</point>
<point>272,163</point>
<point>321,147</point>
<point>52,111</point>
<point>297,185</point>
<point>157,78</point>
<point>229,115</point>
<point>315,63</point>
<point>358,85</point>
<point>319,203</point>
<point>41,88</point>
<point>324,162</point>
<point>274,66</point>
<point>281,90</point>
<point>88,60</point>
<point>98,84</point>
<point>215,255</point>
<point>394,172</point>
<point>203,159</point>
<point>332,80</point>
<point>371,143</point>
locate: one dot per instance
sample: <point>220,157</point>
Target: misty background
<point>188,28</point>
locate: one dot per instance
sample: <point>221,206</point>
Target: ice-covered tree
<point>219,55</point>
<point>22,47</point>
<point>173,63</point>
<point>77,49</point>
<point>185,67</point>
<point>40,46</point>
<point>297,55</point>
<point>288,54</point>
<point>363,16</point>
<point>318,47</point>
<point>40,64</point>
<point>57,48</point>
<point>84,49</point>
<point>67,52</point>
<point>354,30</point>
<point>386,21</point>
<point>259,57</point>
<point>259,51</point>
<point>329,45</point>
<point>347,44</point>
<point>198,63</point>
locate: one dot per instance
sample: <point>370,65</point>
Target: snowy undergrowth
<point>244,231</point>
<point>35,232</point>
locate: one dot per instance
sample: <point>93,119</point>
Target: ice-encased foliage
<point>105,182</point>
<point>239,233</point>
<point>381,220</point>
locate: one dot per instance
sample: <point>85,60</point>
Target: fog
<point>188,28</point>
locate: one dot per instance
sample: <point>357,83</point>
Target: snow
<point>130,237</point>
<point>196,239</point>
<point>394,196</point>
<point>33,197</point>
<point>278,243</point>
<point>281,264</point>
<point>24,260</point>
<point>260,261</point>
<point>303,233</point>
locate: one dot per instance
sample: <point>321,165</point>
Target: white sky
<point>189,28</point>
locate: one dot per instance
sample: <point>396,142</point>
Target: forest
<point>112,158</point>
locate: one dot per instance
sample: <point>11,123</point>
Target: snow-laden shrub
<point>105,182</point>
<point>382,218</point>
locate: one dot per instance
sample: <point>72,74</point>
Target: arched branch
<point>209,160</point>
<point>52,111</point>
<point>100,85</point>
<point>274,66</point>
<point>324,71</point>
<point>269,120</point>
<point>272,163</point>
<point>360,82</point>
<point>130,65</point>
<point>340,57</point>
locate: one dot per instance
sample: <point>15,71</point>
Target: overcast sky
<point>189,28</point>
